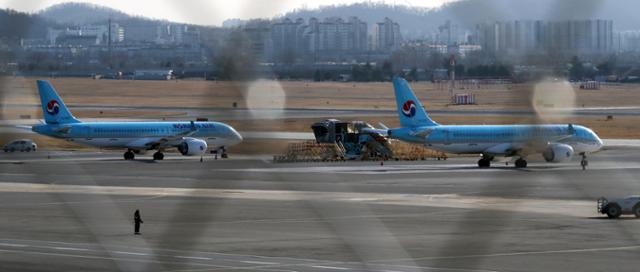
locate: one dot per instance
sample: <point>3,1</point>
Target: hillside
<point>16,25</point>
<point>415,22</point>
<point>81,13</point>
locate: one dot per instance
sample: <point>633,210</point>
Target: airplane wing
<point>423,133</point>
<point>507,149</point>
<point>63,130</point>
<point>534,146</point>
<point>149,143</point>
<point>24,128</point>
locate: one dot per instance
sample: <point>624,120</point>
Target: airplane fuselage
<point>135,135</point>
<point>479,139</point>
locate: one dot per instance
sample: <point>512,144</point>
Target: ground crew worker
<point>137,220</point>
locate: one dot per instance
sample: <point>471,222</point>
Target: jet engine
<point>192,147</point>
<point>558,153</point>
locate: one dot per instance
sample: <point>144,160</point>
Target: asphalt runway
<point>72,211</point>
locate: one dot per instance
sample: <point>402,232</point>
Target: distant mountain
<point>412,20</point>
<point>416,22</point>
<point>82,13</point>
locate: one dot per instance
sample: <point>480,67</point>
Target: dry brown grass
<point>298,94</point>
<point>44,142</point>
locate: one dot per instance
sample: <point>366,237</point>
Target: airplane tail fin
<point>53,109</point>
<point>410,110</point>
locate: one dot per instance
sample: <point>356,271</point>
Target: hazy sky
<point>206,12</point>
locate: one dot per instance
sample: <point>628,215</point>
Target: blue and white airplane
<point>556,143</point>
<point>190,138</point>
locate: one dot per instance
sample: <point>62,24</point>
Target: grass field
<point>319,95</point>
<point>296,94</point>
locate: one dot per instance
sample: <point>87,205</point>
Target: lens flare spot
<point>552,99</point>
<point>266,99</point>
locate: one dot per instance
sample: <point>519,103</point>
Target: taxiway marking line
<point>193,258</point>
<point>258,262</point>
<point>130,253</point>
<point>13,245</point>
<point>330,267</point>
<point>565,251</point>
<point>70,248</point>
<point>107,258</point>
<point>171,250</point>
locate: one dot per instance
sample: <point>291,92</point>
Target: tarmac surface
<point>73,211</point>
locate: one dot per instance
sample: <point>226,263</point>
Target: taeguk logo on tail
<point>53,107</point>
<point>409,108</point>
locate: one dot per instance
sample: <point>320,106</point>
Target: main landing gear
<point>521,163</point>
<point>158,156</point>
<point>485,162</point>
<point>129,155</point>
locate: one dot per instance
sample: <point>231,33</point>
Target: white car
<point>615,208</point>
<point>23,145</point>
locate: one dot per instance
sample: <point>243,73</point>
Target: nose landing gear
<point>584,162</point>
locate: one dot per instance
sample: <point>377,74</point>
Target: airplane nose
<point>238,137</point>
<point>600,143</point>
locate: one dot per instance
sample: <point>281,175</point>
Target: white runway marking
<point>130,253</point>
<point>330,267</point>
<point>70,248</point>
<point>12,245</point>
<point>562,251</point>
<point>105,258</point>
<point>193,258</point>
<point>258,262</point>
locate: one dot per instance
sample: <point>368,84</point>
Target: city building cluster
<point>318,47</point>
<point>147,43</point>
<point>535,36</point>
<point>331,39</point>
